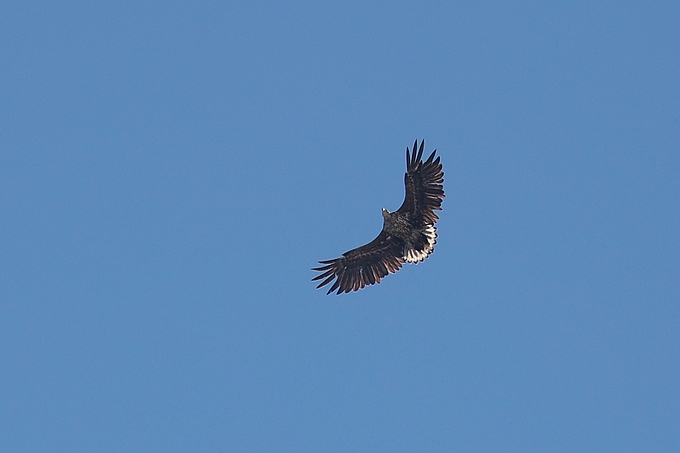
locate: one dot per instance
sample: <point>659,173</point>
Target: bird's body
<point>418,240</point>
<point>408,234</point>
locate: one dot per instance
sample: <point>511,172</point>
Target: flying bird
<point>408,235</point>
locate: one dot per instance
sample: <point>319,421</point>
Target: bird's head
<point>385,213</point>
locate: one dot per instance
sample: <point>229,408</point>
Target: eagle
<point>408,235</point>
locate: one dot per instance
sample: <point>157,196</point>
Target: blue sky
<point>170,172</point>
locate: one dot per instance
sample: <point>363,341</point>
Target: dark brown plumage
<point>408,235</point>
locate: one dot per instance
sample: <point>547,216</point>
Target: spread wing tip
<point>415,157</point>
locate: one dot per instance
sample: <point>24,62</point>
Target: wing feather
<point>424,189</point>
<point>362,266</point>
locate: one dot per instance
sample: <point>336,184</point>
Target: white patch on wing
<point>412,255</point>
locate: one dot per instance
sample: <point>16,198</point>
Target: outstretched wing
<point>424,189</point>
<point>362,266</point>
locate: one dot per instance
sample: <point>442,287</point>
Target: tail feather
<point>417,252</point>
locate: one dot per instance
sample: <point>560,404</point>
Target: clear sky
<point>170,172</point>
